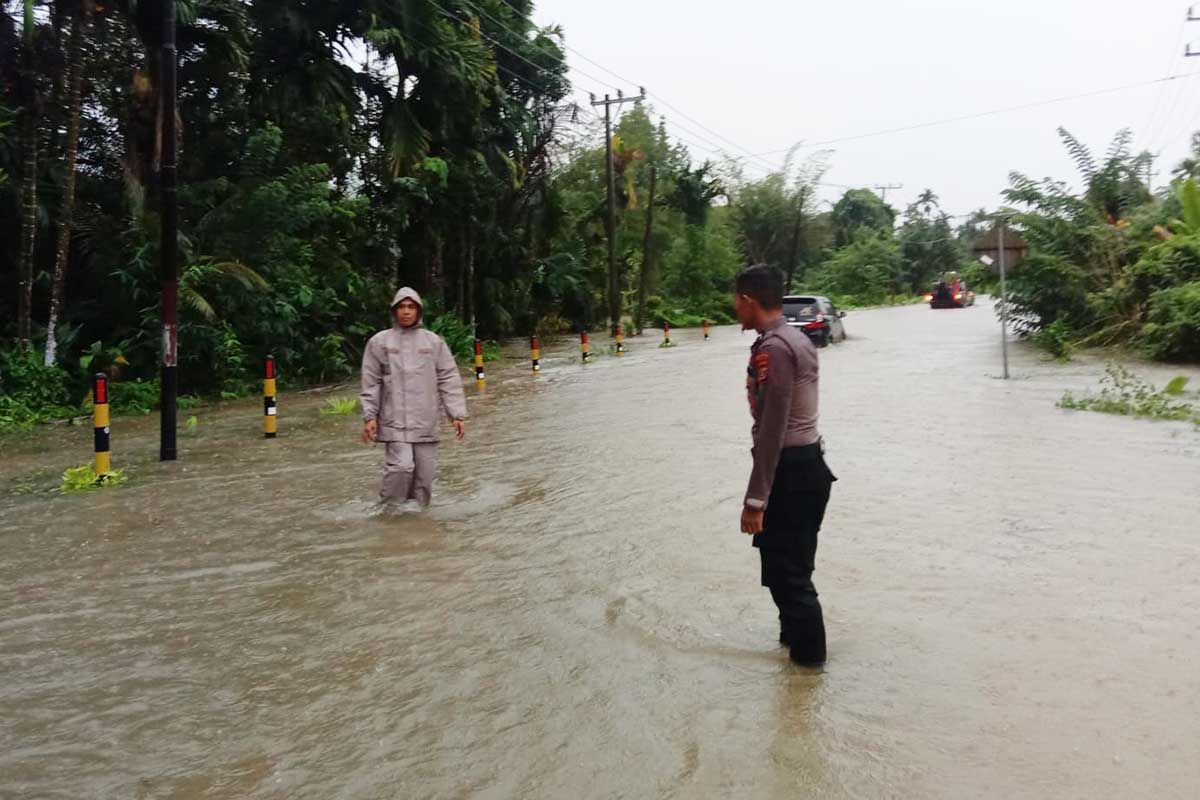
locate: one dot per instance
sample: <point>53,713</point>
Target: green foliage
<point>869,269</point>
<point>339,407</point>
<point>458,334</point>
<point>134,397</point>
<point>928,246</point>
<point>1056,339</point>
<point>85,479</point>
<point>1173,330</point>
<point>1123,393</point>
<point>1189,208</point>
<point>24,378</point>
<point>1045,289</point>
<point>860,210</point>
<point>1176,385</point>
<point>18,415</point>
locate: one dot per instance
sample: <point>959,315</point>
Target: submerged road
<point>1012,594</point>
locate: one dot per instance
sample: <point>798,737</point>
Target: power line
<point>625,80</point>
<point>992,112</point>
<point>766,167</point>
<point>524,41</point>
<point>1171,58</point>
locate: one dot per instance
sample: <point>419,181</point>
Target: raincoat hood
<point>408,293</point>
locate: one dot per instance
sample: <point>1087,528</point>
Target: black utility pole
<point>614,280</point>
<point>168,248</point>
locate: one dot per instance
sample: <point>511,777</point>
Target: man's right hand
<point>370,428</point>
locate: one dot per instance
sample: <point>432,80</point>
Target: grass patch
<point>339,407</point>
<point>1123,393</point>
<point>85,479</point>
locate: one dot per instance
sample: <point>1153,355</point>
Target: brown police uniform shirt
<point>781,384</point>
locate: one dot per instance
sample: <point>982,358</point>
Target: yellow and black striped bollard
<point>620,342</point>
<point>705,326</point>
<point>585,346</point>
<point>535,353</point>
<point>269,417</point>
<point>100,421</point>
<point>480,377</point>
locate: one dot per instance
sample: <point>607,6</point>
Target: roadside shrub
<point>1164,266</point>
<point>461,339</point>
<point>1173,332</point>
<point>24,377</point>
<point>1045,289</point>
<point>134,397</point>
<point>1055,339</point>
<point>1123,393</point>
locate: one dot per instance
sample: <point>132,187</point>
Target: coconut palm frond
<point>195,301</point>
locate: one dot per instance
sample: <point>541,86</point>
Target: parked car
<point>816,316</point>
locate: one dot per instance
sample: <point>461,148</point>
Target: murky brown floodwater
<point>1012,594</point>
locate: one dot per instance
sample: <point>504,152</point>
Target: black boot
<point>807,647</point>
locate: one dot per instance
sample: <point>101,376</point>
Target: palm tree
<point>204,271</point>
<point>81,18</point>
<point>695,190</point>
<point>928,201</point>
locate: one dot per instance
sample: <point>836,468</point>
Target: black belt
<point>803,454</point>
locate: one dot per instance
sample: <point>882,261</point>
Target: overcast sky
<point>765,74</point>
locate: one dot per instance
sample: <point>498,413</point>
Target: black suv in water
<point>816,316</point>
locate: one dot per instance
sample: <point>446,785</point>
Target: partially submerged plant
<point>1125,394</point>
<point>85,479</point>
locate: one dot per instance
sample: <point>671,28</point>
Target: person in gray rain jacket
<point>409,379</point>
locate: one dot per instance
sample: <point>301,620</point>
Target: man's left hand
<point>460,430</point>
<point>752,521</point>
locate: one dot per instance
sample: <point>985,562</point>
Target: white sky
<point>766,74</point>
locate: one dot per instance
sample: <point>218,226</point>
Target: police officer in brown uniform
<point>790,483</point>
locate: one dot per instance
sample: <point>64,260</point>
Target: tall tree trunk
<point>460,303</point>
<point>29,132</point>
<point>647,253</point>
<point>67,212</point>
<point>797,233</point>
<point>29,161</point>
<point>470,296</point>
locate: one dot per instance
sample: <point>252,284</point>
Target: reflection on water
<point>1011,593</point>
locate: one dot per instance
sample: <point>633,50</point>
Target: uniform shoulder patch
<point>762,366</point>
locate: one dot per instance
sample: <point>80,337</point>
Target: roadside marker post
<point>100,424</point>
<point>269,407</point>
<point>480,376</point>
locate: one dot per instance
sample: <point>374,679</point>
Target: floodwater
<point>1012,594</point>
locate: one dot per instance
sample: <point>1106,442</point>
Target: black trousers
<point>788,547</point>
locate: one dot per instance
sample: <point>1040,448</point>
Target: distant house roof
<point>990,241</point>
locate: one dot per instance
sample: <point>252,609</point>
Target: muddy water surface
<point>1012,593</point>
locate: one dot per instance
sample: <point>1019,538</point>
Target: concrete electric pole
<point>614,280</point>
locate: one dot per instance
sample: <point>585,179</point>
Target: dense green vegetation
<point>1110,263</point>
<point>331,152</point>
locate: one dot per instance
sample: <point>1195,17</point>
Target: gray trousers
<point>408,472</point>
